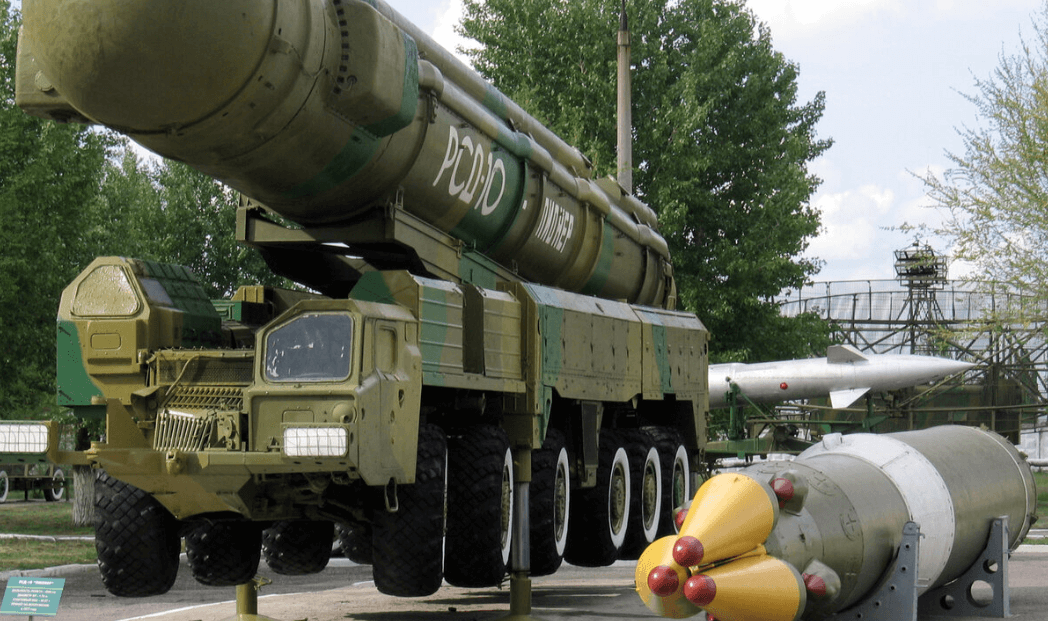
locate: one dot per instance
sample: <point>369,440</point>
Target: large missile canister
<point>324,110</point>
<point>836,515</point>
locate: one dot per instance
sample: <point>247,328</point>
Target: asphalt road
<point>344,592</point>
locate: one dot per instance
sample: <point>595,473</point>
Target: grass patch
<point>35,554</point>
<point>40,518</point>
<point>1041,479</point>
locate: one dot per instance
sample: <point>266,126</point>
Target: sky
<point>895,74</point>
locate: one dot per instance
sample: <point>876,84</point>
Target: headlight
<point>23,438</point>
<point>315,441</point>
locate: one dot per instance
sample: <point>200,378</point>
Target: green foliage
<point>49,174</point>
<point>721,144</point>
<point>996,192</point>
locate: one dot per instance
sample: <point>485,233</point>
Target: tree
<point>49,176</point>
<point>996,192</point>
<point>721,144</point>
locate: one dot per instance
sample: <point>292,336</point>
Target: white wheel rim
<point>5,486</point>
<point>680,493</point>
<point>561,501</point>
<point>619,497</point>
<point>58,491</point>
<point>507,505</point>
<point>651,495</point>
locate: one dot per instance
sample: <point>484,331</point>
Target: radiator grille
<point>181,431</point>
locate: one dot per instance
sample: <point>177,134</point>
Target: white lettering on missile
<point>556,225</point>
<point>495,168</point>
<point>486,172</point>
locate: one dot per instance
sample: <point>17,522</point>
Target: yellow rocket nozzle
<point>756,588</point>
<point>730,515</point>
<point>660,581</point>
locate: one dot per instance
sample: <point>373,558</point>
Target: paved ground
<point>344,592</point>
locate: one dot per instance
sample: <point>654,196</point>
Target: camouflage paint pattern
<point>328,109</point>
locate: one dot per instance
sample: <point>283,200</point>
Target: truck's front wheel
<point>137,540</point>
<point>408,544</point>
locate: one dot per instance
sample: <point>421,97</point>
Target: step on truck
<point>481,367</point>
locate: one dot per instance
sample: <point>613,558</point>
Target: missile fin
<point>841,354</point>
<point>844,398</point>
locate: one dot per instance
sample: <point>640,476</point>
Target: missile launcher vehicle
<point>482,327</point>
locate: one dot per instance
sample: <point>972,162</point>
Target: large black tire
<point>137,540</point>
<point>645,493</point>
<point>5,486</point>
<point>355,542</point>
<point>224,553</point>
<point>600,514</point>
<point>550,504</point>
<point>409,543</point>
<point>480,507</point>
<point>56,491</point>
<point>298,548</point>
<point>676,475</point>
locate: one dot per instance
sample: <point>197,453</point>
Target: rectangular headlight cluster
<point>315,441</point>
<point>23,438</point>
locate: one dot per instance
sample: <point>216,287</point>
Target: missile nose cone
<point>663,581</point>
<point>659,580</point>
<point>688,551</point>
<point>700,590</point>
<point>731,514</point>
<point>148,66</point>
<point>753,588</point>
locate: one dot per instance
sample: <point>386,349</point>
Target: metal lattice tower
<point>923,312</point>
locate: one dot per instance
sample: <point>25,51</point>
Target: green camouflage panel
<point>484,357</point>
<point>591,346</point>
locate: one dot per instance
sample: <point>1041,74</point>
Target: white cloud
<point>851,222</point>
<point>444,30</point>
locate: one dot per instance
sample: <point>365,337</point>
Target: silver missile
<point>845,374</point>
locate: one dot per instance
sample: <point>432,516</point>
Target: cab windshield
<point>315,347</point>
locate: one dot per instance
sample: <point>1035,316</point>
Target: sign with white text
<point>32,596</point>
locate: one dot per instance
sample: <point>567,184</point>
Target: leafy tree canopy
<point>721,143</point>
<point>996,192</point>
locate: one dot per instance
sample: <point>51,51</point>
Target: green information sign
<point>32,596</point>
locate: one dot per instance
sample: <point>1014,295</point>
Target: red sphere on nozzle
<point>678,519</point>
<point>783,489</point>
<point>688,551</point>
<point>663,581</point>
<point>700,590</point>
<point>815,585</point>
